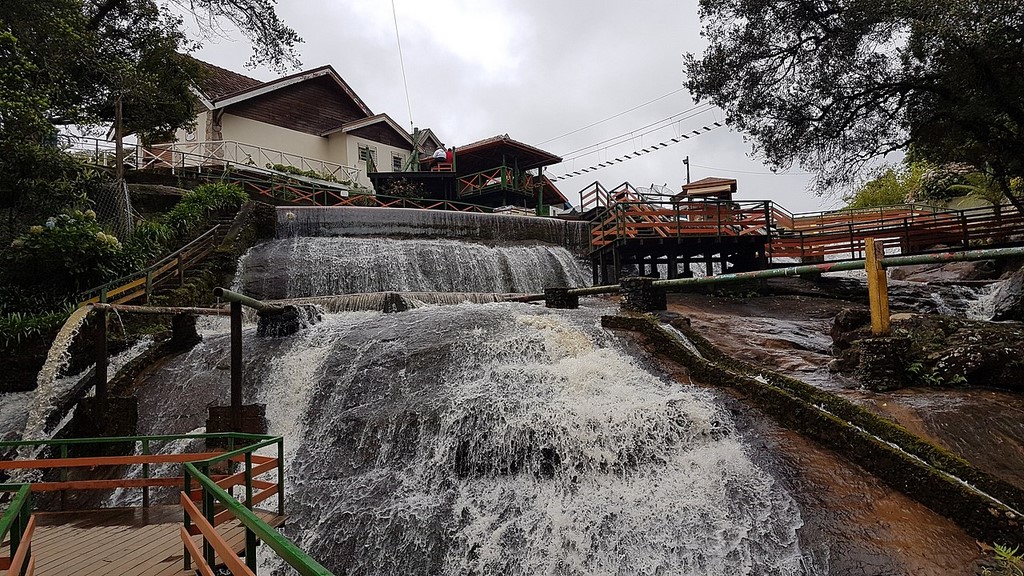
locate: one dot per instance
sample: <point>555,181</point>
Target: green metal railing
<point>200,473</point>
<point>15,523</point>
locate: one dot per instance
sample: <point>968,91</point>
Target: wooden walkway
<point>630,228</point>
<point>120,541</point>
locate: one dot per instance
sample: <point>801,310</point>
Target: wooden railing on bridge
<point>208,478</point>
<point>141,284</point>
<point>18,524</point>
<point>622,215</point>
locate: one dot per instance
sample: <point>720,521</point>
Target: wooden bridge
<point>633,229</point>
<point>206,520</point>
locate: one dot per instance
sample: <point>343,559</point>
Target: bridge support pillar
<point>560,298</point>
<point>640,295</point>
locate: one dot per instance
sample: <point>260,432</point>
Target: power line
<point>401,59</point>
<point>658,125</point>
<point>614,116</point>
<point>631,155</point>
<point>750,172</point>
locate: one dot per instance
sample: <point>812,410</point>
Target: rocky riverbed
<point>790,334</point>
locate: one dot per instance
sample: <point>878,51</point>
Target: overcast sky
<point>536,70</point>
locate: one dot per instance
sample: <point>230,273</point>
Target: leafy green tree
<point>66,62</point>
<point>273,43</point>
<point>892,185</point>
<point>836,84</point>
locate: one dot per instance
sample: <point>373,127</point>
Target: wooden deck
<point>120,541</point>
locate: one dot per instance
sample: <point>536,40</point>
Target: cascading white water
<point>480,438</point>
<point>497,438</point>
<point>358,221</point>
<point>301,267</point>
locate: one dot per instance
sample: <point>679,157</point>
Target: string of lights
<point>638,153</point>
<point>639,132</point>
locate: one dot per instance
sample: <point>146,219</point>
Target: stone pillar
<point>639,295</point>
<point>183,332</point>
<point>560,298</point>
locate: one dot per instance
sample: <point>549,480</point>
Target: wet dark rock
<point>183,332</point>
<point>560,298</point>
<point>882,362</point>
<point>638,295</point>
<point>287,320</point>
<point>850,325</point>
<point>1009,298</point>
<point>948,272</point>
<point>938,351</point>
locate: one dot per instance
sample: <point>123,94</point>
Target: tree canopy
<point>836,84</point>
<point>66,62</point>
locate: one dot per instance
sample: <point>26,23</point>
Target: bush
<point>18,327</point>
<point>287,169</point>
<point>195,208</point>
<point>67,254</point>
<point>403,188</point>
<point>150,240</point>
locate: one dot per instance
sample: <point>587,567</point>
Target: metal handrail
<point>17,522</point>
<point>198,471</point>
<point>303,563</point>
<point>205,154</point>
<point>112,286</point>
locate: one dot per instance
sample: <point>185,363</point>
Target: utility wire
<point>631,155</point>
<point>752,172</point>
<point>664,122</point>
<point>401,59</point>
<point>613,116</point>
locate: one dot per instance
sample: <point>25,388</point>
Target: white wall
<point>338,148</point>
<point>276,138</point>
<point>384,153</point>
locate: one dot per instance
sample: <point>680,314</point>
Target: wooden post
<point>878,291</point>
<point>236,366</point>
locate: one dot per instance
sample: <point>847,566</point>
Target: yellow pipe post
<point>878,288</point>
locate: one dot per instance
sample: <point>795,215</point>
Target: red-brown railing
<point>903,229</point>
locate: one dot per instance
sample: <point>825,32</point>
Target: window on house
<point>397,160</point>
<point>368,154</point>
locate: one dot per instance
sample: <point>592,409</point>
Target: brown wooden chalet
<point>497,171</point>
<point>313,114</point>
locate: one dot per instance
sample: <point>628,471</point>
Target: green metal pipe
<point>819,268</point>
<point>964,256</point>
<point>245,300</point>
<point>590,290</point>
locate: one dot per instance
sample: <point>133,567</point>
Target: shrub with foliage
<point>892,185</point>
<point>68,253</point>
<point>287,169</point>
<point>197,206</point>
<point>17,327</point>
<point>403,188</point>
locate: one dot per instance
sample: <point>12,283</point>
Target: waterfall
<point>478,439</point>
<point>357,221</point>
<point>303,266</point>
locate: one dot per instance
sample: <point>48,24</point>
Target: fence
<point>213,493</point>
<point>210,156</point>
<point>142,283</point>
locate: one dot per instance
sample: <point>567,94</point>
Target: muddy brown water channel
<point>873,529</point>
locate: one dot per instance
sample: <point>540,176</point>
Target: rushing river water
<point>483,438</point>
